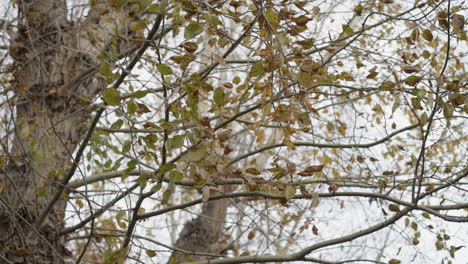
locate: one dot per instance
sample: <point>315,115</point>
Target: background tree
<point>233,131</point>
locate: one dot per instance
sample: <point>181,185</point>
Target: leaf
<point>190,46</point>
<point>119,3</point>
<point>126,146</point>
<point>439,244</point>
<point>358,10</point>
<point>426,215</point>
<point>164,69</point>
<point>218,96</point>
<point>252,171</point>
<point>424,118</point>
<point>290,192</point>
<point>394,208</point>
<point>348,30</point>
<point>410,69</point>
<point>151,253</point>
<point>458,23</point>
<point>427,35</point>
<point>165,168</point>
<point>394,261</point>
<point>310,170</point>
<point>251,235</point>
<point>192,30</point>
<point>315,230</point>
<point>196,154</point>
<point>387,86</point>
<point>153,9</point>
<point>448,110</point>
<point>272,16</point>
<point>117,124</point>
<point>111,96</point>
<point>140,94</point>
<point>137,25</point>
<point>257,69</point>
<point>413,80</point>
<point>106,69</point>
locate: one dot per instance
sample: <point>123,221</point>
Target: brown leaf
<point>315,230</point>
<point>253,171</point>
<point>458,22</point>
<point>394,208</point>
<point>309,171</point>
<point>190,46</point>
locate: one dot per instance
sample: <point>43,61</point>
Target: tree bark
<point>203,234</point>
<point>52,106</point>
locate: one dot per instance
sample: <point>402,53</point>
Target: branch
<point>264,195</point>
<point>322,145</point>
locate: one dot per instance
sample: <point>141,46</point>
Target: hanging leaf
<point>111,96</point>
<point>257,69</point>
<point>117,124</point>
<point>218,96</point>
<point>192,30</point>
<point>164,69</point>
<point>151,253</point>
<point>413,80</point>
<point>427,35</point>
<point>310,170</point>
<point>106,69</point>
<point>137,25</point>
<point>190,46</point>
<point>348,30</point>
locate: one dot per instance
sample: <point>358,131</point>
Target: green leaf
<point>137,25</point>
<point>131,107</point>
<point>427,35</point>
<point>164,69</point>
<point>304,77</point>
<point>218,96</point>
<point>412,80</point>
<point>106,69</point>
<point>119,3</point>
<point>176,175</point>
<point>117,124</point>
<point>166,167</point>
<point>153,9</point>
<point>257,69</point>
<point>41,192</point>
<point>176,142</point>
<point>156,187</point>
<point>272,16</point>
<point>140,94</point>
<point>387,86</point>
<point>439,244</point>
<point>111,96</point>
<point>197,154</point>
<point>347,30</point>
<point>126,146</point>
<point>192,30</point>
<point>150,253</point>
<point>448,110</point>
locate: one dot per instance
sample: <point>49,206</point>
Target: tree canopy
<point>233,131</point>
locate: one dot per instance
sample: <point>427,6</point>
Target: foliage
<point>339,128</point>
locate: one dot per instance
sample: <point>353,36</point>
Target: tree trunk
<point>203,234</point>
<point>52,107</point>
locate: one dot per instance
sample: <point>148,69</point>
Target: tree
<point>276,130</point>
